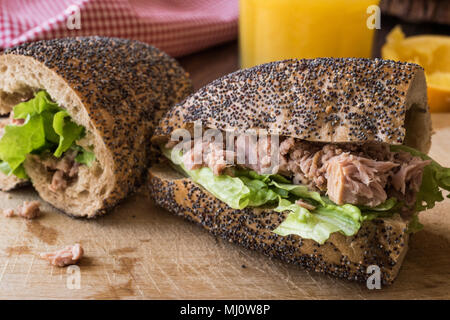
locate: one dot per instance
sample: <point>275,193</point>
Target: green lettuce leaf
<point>4,168</point>
<point>301,191</point>
<point>47,127</point>
<point>40,103</point>
<point>435,177</point>
<point>386,209</point>
<point>19,172</point>
<point>327,217</point>
<point>347,217</point>
<point>319,224</point>
<point>248,189</point>
<point>414,225</point>
<point>68,132</point>
<point>85,157</point>
<point>238,193</point>
<point>18,141</point>
<point>230,190</point>
<point>260,194</point>
<point>238,172</point>
<point>43,106</point>
<point>301,222</point>
<point>385,206</point>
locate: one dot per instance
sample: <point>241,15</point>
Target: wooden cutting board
<point>139,251</point>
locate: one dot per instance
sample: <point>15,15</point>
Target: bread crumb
<point>8,213</point>
<point>28,210</point>
<point>61,258</point>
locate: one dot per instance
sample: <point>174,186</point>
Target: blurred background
<point>214,37</point>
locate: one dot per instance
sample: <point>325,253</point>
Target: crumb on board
<point>61,258</point>
<point>8,213</point>
<point>28,210</point>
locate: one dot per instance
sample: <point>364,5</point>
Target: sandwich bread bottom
<point>380,242</point>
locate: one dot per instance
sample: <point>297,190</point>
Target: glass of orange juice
<point>271,30</point>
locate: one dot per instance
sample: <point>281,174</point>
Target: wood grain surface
<point>139,251</point>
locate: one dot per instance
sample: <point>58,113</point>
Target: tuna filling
<point>64,170</point>
<point>356,174</point>
<point>40,128</point>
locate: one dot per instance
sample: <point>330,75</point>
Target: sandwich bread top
<point>325,100</point>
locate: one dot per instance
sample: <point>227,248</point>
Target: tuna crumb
<point>64,257</point>
<point>8,213</point>
<point>305,204</point>
<point>28,210</point>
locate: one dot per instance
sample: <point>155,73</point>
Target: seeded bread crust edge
<point>380,242</point>
<point>9,183</point>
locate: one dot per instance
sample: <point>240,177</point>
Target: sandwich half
<point>82,111</point>
<point>317,162</point>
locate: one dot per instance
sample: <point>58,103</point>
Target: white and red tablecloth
<point>178,27</point>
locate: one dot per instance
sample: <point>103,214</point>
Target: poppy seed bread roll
<point>322,100</point>
<point>338,190</point>
<point>115,89</point>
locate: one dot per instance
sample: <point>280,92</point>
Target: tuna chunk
<point>247,151</point>
<point>305,204</point>
<point>407,180</point>
<point>410,174</point>
<point>8,213</point>
<point>216,158</point>
<point>58,181</point>
<point>17,122</point>
<point>286,146</point>
<point>306,163</point>
<point>64,257</point>
<point>3,123</point>
<point>257,153</point>
<point>63,169</point>
<point>28,210</point>
<point>356,180</point>
<point>208,154</point>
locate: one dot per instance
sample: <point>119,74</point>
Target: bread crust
<point>380,242</point>
<point>117,89</point>
<point>325,100</point>
<point>11,182</point>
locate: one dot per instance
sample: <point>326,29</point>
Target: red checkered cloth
<point>178,27</point>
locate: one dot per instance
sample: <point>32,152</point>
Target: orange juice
<point>272,30</point>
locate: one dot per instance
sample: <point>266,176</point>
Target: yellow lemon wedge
<point>439,91</point>
<point>432,52</point>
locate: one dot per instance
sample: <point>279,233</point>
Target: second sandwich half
<point>81,112</point>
